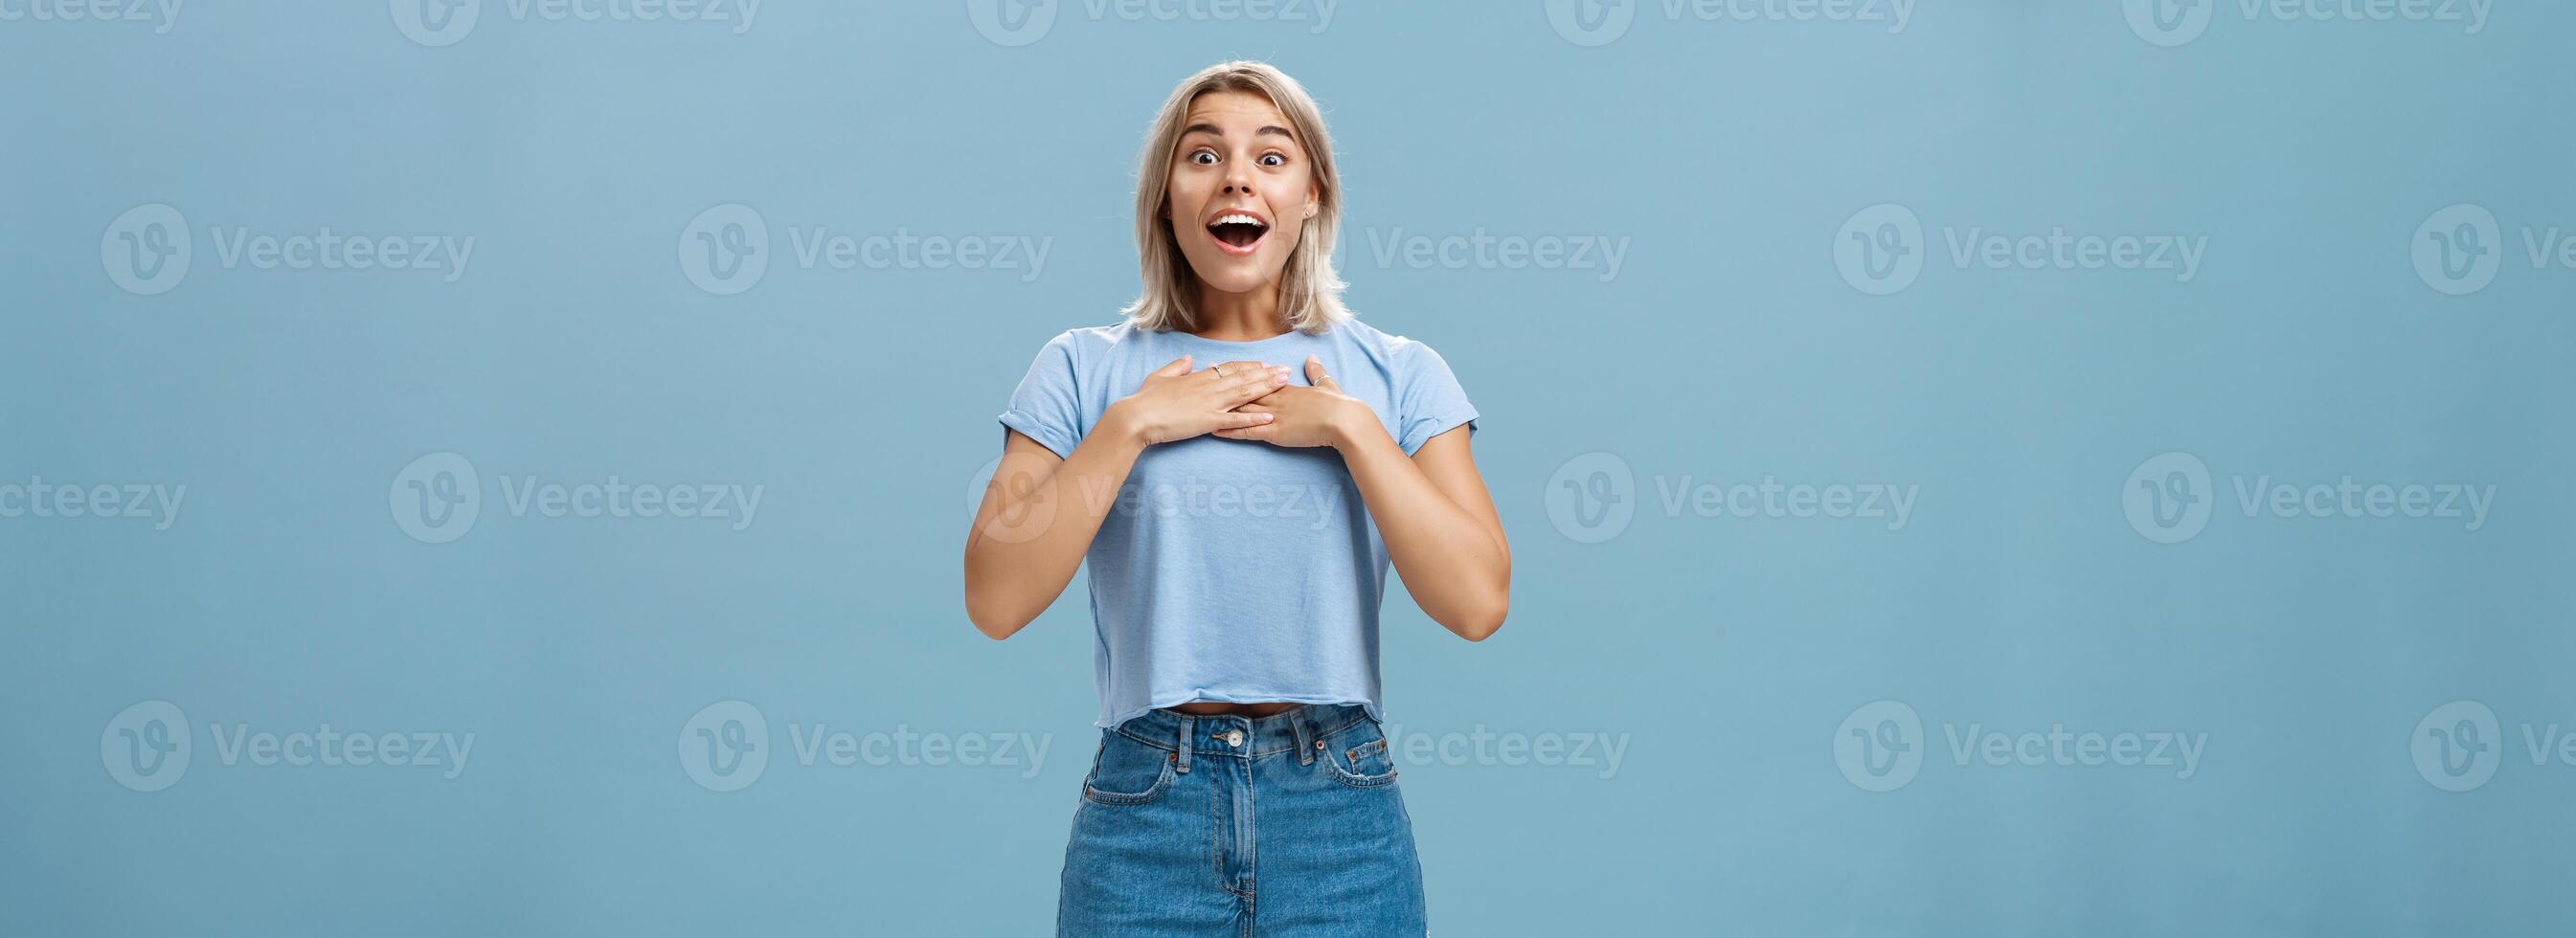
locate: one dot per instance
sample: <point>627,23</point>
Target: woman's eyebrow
<point>1211,130</point>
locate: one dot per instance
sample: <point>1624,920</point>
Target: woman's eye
<point>1273,159</point>
<point>1203,158</point>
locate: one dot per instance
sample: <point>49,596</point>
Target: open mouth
<point>1237,232</point>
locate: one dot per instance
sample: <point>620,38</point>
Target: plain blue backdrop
<point>1969,720</point>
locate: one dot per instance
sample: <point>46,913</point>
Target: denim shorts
<point>1288,824</point>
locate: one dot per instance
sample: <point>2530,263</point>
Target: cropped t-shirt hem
<point>1159,703</point>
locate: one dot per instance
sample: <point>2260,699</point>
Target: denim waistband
<point>1294,730</point>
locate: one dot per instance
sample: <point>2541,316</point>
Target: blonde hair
<point>1310,292</point>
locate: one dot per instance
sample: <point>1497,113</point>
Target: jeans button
<point>1234,737</point>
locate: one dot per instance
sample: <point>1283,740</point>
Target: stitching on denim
<point>1120,799</point>
<point>1352,778</point>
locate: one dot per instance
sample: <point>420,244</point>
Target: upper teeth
<point>1237,218</point>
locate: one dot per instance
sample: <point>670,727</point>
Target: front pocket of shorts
<point>1363,765</point>
<point>1127,772</point>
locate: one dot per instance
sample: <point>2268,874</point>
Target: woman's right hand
<point>1175,403</point>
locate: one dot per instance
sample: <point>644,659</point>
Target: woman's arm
<point>1040,511</point>
<point>1438,521</point>
<point>1036,521</point>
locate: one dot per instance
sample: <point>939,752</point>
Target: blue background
<point>1725,651</point>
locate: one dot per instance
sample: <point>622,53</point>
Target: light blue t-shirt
<point>1236,570</point>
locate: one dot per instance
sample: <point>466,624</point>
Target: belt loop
<point>1187,728</point>
<point>1297,724</point>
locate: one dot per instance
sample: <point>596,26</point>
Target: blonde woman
<point>1239,460</point>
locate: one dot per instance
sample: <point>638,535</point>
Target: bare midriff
<point>1210,708</point>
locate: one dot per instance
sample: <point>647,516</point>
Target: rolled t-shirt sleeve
<point>1433,403</point>
<point>1045,407</point>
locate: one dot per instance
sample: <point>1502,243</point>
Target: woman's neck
<point>1239,317</point>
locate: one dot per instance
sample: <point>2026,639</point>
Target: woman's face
<point>1239,191</point>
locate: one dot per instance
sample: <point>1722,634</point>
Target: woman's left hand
<point>1303,416</point>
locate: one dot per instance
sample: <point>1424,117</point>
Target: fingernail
<point>1265,418</point>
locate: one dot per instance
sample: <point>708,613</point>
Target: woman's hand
<point>1175,403</point>
<point>1309,416</point>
